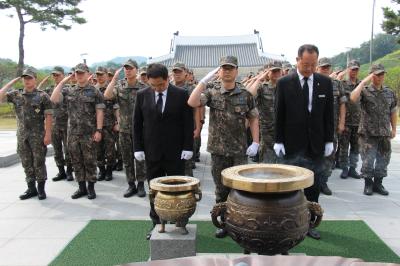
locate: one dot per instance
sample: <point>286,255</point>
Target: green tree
<point>47,13</point>
<point>391,23</point>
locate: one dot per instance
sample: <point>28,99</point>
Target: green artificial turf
<point>117,242</point>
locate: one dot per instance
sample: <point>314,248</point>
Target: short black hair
<point>157,71</point>
<point>309,48</point>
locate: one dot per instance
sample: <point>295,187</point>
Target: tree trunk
<point>20,66</point>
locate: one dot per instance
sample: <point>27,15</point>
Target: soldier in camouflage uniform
<point>143,76</point>
<point>59,130</point>
<point>106,147</point>
<point>124,93</point>
<point>339,114</point>
<point>349,137</point>
<point>179,74</point>
<point>85,107</point>
<point>34,119</point>
<point>118,154</point>
<point>377,126</point>
<point>264,92</point>
<point>230,106</point>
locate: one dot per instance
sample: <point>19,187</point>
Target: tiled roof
<point>199,52</point>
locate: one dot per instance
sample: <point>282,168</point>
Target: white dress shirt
<point>164,98</point>
<point>310,82</point>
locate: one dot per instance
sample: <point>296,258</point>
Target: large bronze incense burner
<point>175,199</point>
<point>266,211</point>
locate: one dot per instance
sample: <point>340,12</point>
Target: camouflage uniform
<point>350,135</point>
<point>106,147</point>
<point>339,98</point>
<point>265,100</point>
<point>31,109</point>
<point>227,140</point>
<point>81,105</point>
<point>189,163</point>
<point>375,129</point>
<point>125,97</point>
<point>59,130</point>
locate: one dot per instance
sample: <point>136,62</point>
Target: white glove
<point>139,155</point>
<point>279,149</point>
<point>328,149</point>
<point>186,155</point>
<point>209,76</point>
<point>252,149</point>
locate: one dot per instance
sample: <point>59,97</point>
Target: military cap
<point>286,66</point>
<point>228,60</point>
<point>143,70</point>
<point>377,69</point>
<point>30,71</point>
<point>324,61</point>
<point>57,70</point>
<point>81,67</point>
<point>338,69</point>
<point>179,65</point>
<point>353,64</point>
<point>274,65</point>
<point>111,71</point>
<point>71,71</point>
<point>131,63</point>
<point>101,70</point>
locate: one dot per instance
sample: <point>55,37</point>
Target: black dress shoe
<point>313,234</point>
<point>326,190</point>
<point>220,233</point>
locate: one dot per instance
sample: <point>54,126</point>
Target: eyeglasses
<point>128,67</point>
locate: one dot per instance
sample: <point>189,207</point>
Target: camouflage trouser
<point>130,163</point>
<point>32,152</point>
<point>219,163</point>
<point>267,152</point>
<point>375,156</point>
<point>106,148</point>
<point>82,150</point>
<point>59,142</point>
<point>329,161</point>
<point>349,137</point>
<point>196,147</point>
<point>118,153</point>
<point>189,167</point>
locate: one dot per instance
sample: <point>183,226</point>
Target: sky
<point>145,28</point>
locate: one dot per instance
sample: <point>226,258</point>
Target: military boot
<point>325,189</point>
<point>102,173</point>
<point>368,188</point>
<point>70,176</point>
<point>30,192</point>
<point>378,187</point>
<point>108,174</point>
<point>40,189</point>
<point>118,166</point>
<point>91,194</point>
<point>61,174</point>
<point>82,191</point>
<point>353,173</point>
<point>131,190</point>
<point>345,173</point>
<point>140,189</point>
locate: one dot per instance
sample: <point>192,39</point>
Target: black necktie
<point>306,92</point>
<point>159,103</point>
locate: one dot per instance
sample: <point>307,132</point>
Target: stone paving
<point>34,232</point>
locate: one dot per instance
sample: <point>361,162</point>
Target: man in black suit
<point>304,119</point>
<point>162,128</point>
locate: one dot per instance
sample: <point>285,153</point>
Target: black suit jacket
<point>302,132</point>
<point>163,136</point>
